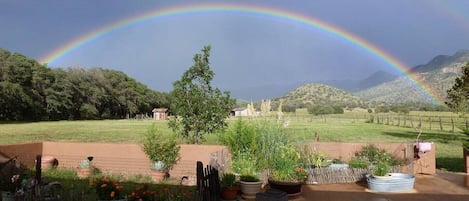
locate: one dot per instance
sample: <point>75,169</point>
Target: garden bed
<point>339,175</point>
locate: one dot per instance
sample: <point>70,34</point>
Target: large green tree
<point>199,108</point>
<point>458,95</point>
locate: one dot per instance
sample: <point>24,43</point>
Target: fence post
<point>411,122</point>
<point>441,124</point>
<point>452,125</point>
<point>430,121</point>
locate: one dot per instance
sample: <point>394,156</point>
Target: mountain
<point>315,93</point>
<point>374,79</point>
<point>438,74</point>
<point>442,61</point>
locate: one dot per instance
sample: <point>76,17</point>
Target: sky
<point>249,51</point>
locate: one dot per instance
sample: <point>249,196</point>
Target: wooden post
<point>441,124</point>
<point>420,121</point>
<point>398,120</point>
<point>405,120</point>
<point>452,125</point>
<point>411,122</point>
<point>430,121</point>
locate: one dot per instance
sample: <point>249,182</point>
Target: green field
<point>350,127</point>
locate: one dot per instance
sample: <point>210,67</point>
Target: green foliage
<point>311,94</point>
<point>160,147</point>
<point>84,164</point>
<point>31,91</point>
<point>315,158</point>
<point>200,108</point>
<point>381,168</point>
<point>325,109</point>
<point>228,179</point>
<point>240,137</point>
<point>244,164</point>
<point>358,163</point>
<point>373,155</point>
<point>249,178</point>
<point>288,165</point>
<point>465,141</point>
<point>458,95</point>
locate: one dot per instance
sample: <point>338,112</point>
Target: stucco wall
<point>130,159</point>
<point>26,153</point>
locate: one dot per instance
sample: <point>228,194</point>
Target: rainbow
<point>307,21</point>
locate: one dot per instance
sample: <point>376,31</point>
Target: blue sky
<point>248,51</point>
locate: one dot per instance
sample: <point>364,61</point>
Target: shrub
<point>228,179</point>
<point>160,147</point>
<point>358,163</point>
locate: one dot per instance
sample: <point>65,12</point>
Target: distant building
<point>240,112</point>
<point>160,113</point>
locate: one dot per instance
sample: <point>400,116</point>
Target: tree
<point>458,95</point>
<point>199,107</point>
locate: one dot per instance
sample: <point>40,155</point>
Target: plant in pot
<point>381,169</point>
<point>245,165</point>
<point>288,173</point>
<point>85,168</point>
<point>229,186</point>
<point>162,149</point>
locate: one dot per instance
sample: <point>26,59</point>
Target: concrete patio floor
<point>441,186</point>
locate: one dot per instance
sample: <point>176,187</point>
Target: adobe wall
<point>126,158</point>
<point>130,159</point>
<point>26,152</point>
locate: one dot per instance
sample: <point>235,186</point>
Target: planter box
<point>396,182</point>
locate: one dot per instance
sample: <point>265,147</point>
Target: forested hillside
<point>319,94</point>
<point>30,91</point>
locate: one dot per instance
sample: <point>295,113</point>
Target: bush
<point>160,147</point>
<point>358,163</point>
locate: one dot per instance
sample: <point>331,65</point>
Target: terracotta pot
<point>249,189</point>
<point>157,175</point>
<point>84,172</point>
<point>293,189</point>
<point>229,192</point>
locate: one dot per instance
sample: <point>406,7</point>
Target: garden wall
<point>26,153</point>
<point>130,159</point>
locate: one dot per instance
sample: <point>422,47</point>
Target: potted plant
<point>162,150</point>
<point>85,168</point>
<point>381,169</point>
<point>229,186</point>
<point>250,185</point>
<point>245,165</point>
<point>288,173</point>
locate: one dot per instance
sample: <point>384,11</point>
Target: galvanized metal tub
<point>396,182</point>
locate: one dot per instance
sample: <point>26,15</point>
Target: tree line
<point>30,91</point>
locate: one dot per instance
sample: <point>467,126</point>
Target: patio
<point>440,186</point>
